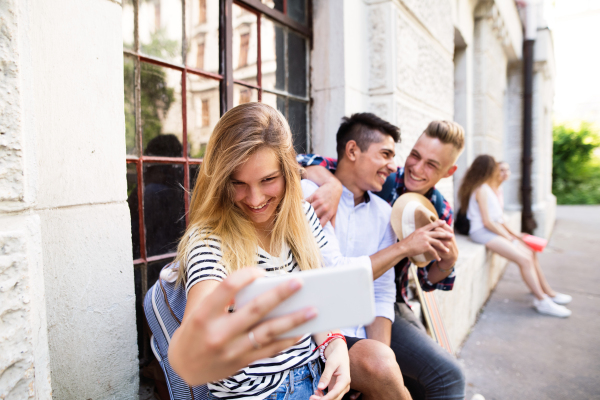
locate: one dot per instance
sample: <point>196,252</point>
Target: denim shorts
<point>300,384</point>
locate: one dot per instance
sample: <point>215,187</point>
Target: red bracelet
<point>330,337</point>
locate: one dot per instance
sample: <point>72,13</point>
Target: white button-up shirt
<point>361,231</point>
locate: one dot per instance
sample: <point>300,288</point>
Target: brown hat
<point>410,212</point>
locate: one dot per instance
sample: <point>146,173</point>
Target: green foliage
<point>576,164</point>
<point>156,97</point>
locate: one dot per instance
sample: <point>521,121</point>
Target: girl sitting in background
<point>478,198</point>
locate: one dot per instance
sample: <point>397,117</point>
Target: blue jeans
<point>429,371</point>
<point>300,383</point>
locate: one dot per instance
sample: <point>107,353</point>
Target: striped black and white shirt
<point>259,379</point>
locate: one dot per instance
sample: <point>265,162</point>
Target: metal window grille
<point>171,105</point>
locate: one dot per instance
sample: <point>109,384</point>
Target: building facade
<point>106,109</point>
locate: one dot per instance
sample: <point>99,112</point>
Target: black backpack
<point>462,224</point>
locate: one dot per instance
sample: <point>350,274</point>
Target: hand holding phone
<point>343,297</point>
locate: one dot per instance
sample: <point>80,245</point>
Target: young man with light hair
<point>428,370</point>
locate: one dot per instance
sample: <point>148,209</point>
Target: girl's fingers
<point>251,313</point>
<point>268,331</point>
<point>339,389</point>
<point>317,396</point>
<point>325,377</point>
<point>225,293</point>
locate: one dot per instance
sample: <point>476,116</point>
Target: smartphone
<point>342,295</point>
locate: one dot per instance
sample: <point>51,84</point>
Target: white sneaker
<point>561,298</point>
<point>477,397</point>
<point>547,306</point>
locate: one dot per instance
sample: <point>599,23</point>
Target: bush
<point>576,167</point>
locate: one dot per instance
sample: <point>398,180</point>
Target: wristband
<point>444,270</point>
<point>330,338</point>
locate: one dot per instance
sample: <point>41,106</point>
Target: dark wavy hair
<point>362,128</point>
<point>480,171</point>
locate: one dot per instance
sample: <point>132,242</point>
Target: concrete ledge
<point>477,273</point>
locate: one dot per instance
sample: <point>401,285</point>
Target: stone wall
<point>67,311</point>
<point>477,272</point>
<point>489,86</point>
<point>24,360</point>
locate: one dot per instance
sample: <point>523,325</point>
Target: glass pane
<point>297,119</point>
<point>132,201</point>
<point>296,9</point>
<point>274,4</point>
<point>163,207</point>
<point>275,101</point>
<point>203,112</point>
<point>273,55</point>
<point>161,111</point>
<point>245,47</point>
<point>160,29</point>
<point>127,24</point>
<point>243,94</point>
<point>194,168</point>
<point>202,34</point>
<point>297,64</point>
<point>129,83</point>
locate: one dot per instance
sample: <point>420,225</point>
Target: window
<point>202,11</point>
<point>244,43</point>
<point>200,56</point>
<point>185,64</point>
<point>205,114</point>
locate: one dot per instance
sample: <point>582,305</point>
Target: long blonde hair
<point>239,133</point>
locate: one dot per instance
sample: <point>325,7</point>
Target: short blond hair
<point>447,132</point>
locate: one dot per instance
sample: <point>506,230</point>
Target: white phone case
<point>342,295</point>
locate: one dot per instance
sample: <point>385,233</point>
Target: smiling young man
<point>427,369</point>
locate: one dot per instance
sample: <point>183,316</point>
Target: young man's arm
<point>380,330</point>
<point>440,274</point>
<point>440,270</point>
<point>385,296</point>
<point>424,239</point>
<point>326,198</point>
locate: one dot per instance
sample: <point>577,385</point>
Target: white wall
<point>24,354</point>
<point>66,278</point>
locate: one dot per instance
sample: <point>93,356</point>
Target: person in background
<point>478,198</point>
<point>504,174</point>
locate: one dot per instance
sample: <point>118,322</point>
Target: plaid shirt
<point>392,189</point>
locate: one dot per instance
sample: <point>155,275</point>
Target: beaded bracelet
<point>330,338</point>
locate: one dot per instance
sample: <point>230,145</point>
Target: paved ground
<point>515,353</point>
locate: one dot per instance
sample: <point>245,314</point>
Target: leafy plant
<point>156,97</point>
<point>576,165</point>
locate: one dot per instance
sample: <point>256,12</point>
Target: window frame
<point>226,100</point>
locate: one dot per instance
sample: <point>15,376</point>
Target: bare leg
<point>375,373</point>
<point>543,283</point>
<point>525,262</point>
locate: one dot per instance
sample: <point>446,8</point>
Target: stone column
<point>66,279</point>
<point>24,354</point>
